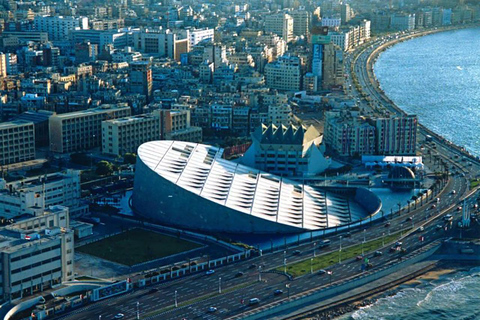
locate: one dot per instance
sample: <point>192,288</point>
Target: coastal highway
<point>196,293</point>
<point>230,293</point>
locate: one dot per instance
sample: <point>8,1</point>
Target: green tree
<point>130,158</point>
<point>104,168</point>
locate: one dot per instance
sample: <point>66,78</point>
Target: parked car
<point>209,272</point>
<point>358,258</point>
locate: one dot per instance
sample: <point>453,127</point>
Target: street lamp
<point>363,243</point>
<point>340,251</point>
<point>314,249</point>
<point>288,290</point>
<point>401,229</point>
<point>285,265</point>
<point>383,239</point>
<point>311,265</point>
<point>138,310</point>
<point>259,273</point>
<point>220,285</point>
<point>100,317</point>
<point>176,302</point>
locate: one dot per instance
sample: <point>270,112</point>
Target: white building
<point>281,24</point>
<point>59,27</point>
<point>118,39</point>
<point>36,254</point>
<point>197,35</point>
<point>17,141</point>
<point>331,22</point>
<point>284,74</point>
<point>34,194</point>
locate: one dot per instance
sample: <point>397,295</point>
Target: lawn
<point>327,260</point>
<point>474,183</point>
<point>136,246</point>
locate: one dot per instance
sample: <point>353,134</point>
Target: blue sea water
<point>437,77</point>
<point>454,296</point>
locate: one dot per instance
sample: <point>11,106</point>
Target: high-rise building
<point>281,24</point>
<point>348,134</point>
<point>396,135</point>
<point>82,130</point>
<point>301,22</point>
<point>17,141</point>
<point>346,13</point>
<point>59,27</point>
<point>284,74</point>
<point>140,77</point>
<point>333,71</point>
<point>3,65</point>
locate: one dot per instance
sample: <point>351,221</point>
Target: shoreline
<point>375,84</point>
<point>444,268</point>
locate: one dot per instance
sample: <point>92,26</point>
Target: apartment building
<point>396,135</point>
<point>34,194</point>
<point>284,74</point>
<point>301,22</point>
<point>17,141</point>
<point>59,27</point>
<point>82,130</point>
<point>36,254</point>
<point>280,24</point>
<point>348,134</point>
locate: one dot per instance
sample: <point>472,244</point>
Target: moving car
<point>277,292</point>
<point>209,272</point>
<point>377,253</point>
<point>297,252</point>
<point>321,271</point>
<point>253,301</point>
<point>239,274</point>
<point>119,316</point>
<point>212,309</point>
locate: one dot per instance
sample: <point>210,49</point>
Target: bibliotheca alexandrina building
<point>190,186</point>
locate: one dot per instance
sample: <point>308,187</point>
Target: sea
<point>453,296</point>
<point>436,77</point>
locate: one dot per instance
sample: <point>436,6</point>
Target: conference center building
<point>190,186</point>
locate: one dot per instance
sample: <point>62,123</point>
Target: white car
<point>119,316</point>
<point>212,309</point>
<point>209,272</point>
